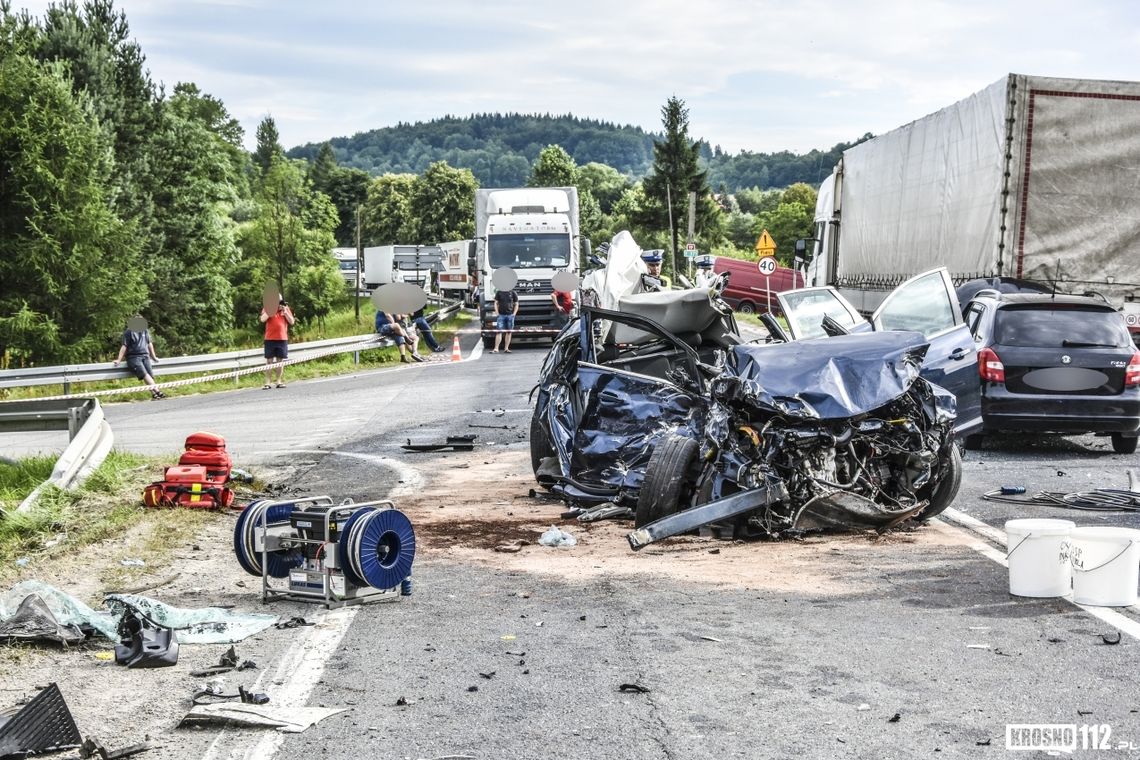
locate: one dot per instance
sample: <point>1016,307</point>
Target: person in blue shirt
<point>390,327</point>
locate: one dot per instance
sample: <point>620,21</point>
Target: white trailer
<point>1032,177</point>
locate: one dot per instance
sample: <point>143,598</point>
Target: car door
<point>926,303</point>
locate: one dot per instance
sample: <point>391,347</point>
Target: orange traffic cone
<point>456,354</point>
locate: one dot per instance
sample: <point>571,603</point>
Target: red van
<point>748,290</point>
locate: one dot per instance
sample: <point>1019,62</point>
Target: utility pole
<point>672,228</point>
<point>359,266</point>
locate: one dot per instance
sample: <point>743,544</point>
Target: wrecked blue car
<point>660,407</point>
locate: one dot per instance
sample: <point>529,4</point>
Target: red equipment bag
<point>198,480</point>
<point>209,449</point>
<point>187,486</point>
<point>205,441</point>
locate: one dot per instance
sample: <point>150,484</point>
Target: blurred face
<point>654,269</point>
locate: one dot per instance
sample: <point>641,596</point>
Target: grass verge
<point>108,505</point>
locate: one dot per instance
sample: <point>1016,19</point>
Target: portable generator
<point>337,554</point>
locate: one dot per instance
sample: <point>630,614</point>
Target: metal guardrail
<point>65,375</point>
<point>67,414</point>
<point>90,438</point>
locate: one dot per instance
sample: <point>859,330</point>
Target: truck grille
<point>534,288</point>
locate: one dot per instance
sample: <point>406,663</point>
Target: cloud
<point>758,75</point>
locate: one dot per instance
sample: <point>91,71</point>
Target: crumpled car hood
<point>830,378</point>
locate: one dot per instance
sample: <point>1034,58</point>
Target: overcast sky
<point>760,75</point>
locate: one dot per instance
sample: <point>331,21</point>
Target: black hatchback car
<point>1055,364</point>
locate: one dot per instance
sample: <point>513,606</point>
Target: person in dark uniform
<point>653,280</point>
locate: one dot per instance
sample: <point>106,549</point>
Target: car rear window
<point>1052,326</point>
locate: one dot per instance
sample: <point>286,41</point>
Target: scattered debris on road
<point>91,749</point>
<point>454,443</point>
<point>557,537</point>
<point>1111,638</point>
<point>290,720</point>
<point>633,688</point>
<point>42,725</point>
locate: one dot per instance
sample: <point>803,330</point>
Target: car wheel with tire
<point>669,479</point>
<point>1123,444</point>
<point>540,445</point>
<point>973,442</point>
<point>488,342</point>
<point>941,496</point>
<point>746,307</point>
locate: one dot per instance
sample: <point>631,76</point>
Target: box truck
<point>455,276</point>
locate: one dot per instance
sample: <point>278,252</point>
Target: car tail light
<point>1132,373</point>
<point>990,366</point>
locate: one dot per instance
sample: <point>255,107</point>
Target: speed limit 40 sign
<point>767,265</point>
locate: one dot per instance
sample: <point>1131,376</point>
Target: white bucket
<point>1106,566</point>
<point>1037,564</point>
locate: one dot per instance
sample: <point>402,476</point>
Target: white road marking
<point>297,672</point>
<point>475,352</point>
<point>1105,614</point>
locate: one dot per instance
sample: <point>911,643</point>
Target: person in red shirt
<point>276,342</point>
<point>563,304</point>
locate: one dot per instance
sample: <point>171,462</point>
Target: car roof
<point>1043,299</point>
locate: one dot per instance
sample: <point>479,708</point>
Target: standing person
<point>653,280</point>
<point>705,274</point>
<point>138,350</point>
<point>563,306</point>
<point>276,342</point>
<point>388,326</point>
<point>424,329</point>
<point>506,308</point>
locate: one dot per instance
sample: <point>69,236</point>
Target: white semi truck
<point>534,231</point>
<point>1034,178</point>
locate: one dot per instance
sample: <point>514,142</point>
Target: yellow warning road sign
<point>765,246</point>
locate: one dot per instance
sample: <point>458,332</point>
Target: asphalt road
<point>894,649</point>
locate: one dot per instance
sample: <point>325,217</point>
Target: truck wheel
<point>1123,444</point>
<point>944,492</point>
<point>973,442</point>
<point>488,342</point>
<point>540,446</point>
<point>669,479</point>
<point>746,307</point>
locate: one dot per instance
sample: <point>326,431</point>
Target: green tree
<point>604,182</point>
<point>553,168</point>
<point>786,224</point>
<point>346,188</point>
<point>740,228</point>
<point>322,168</point>
<point>386,216</point>
<point>199,173</point>
<point>292,231</point>
<point>443,204</point>
<point>70,269</point>
<point>753,200</point>
<point>677,172</point>
<point>268,144</point>
<point>800,193</point>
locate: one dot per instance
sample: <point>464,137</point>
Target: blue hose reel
<point>333,553</point>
